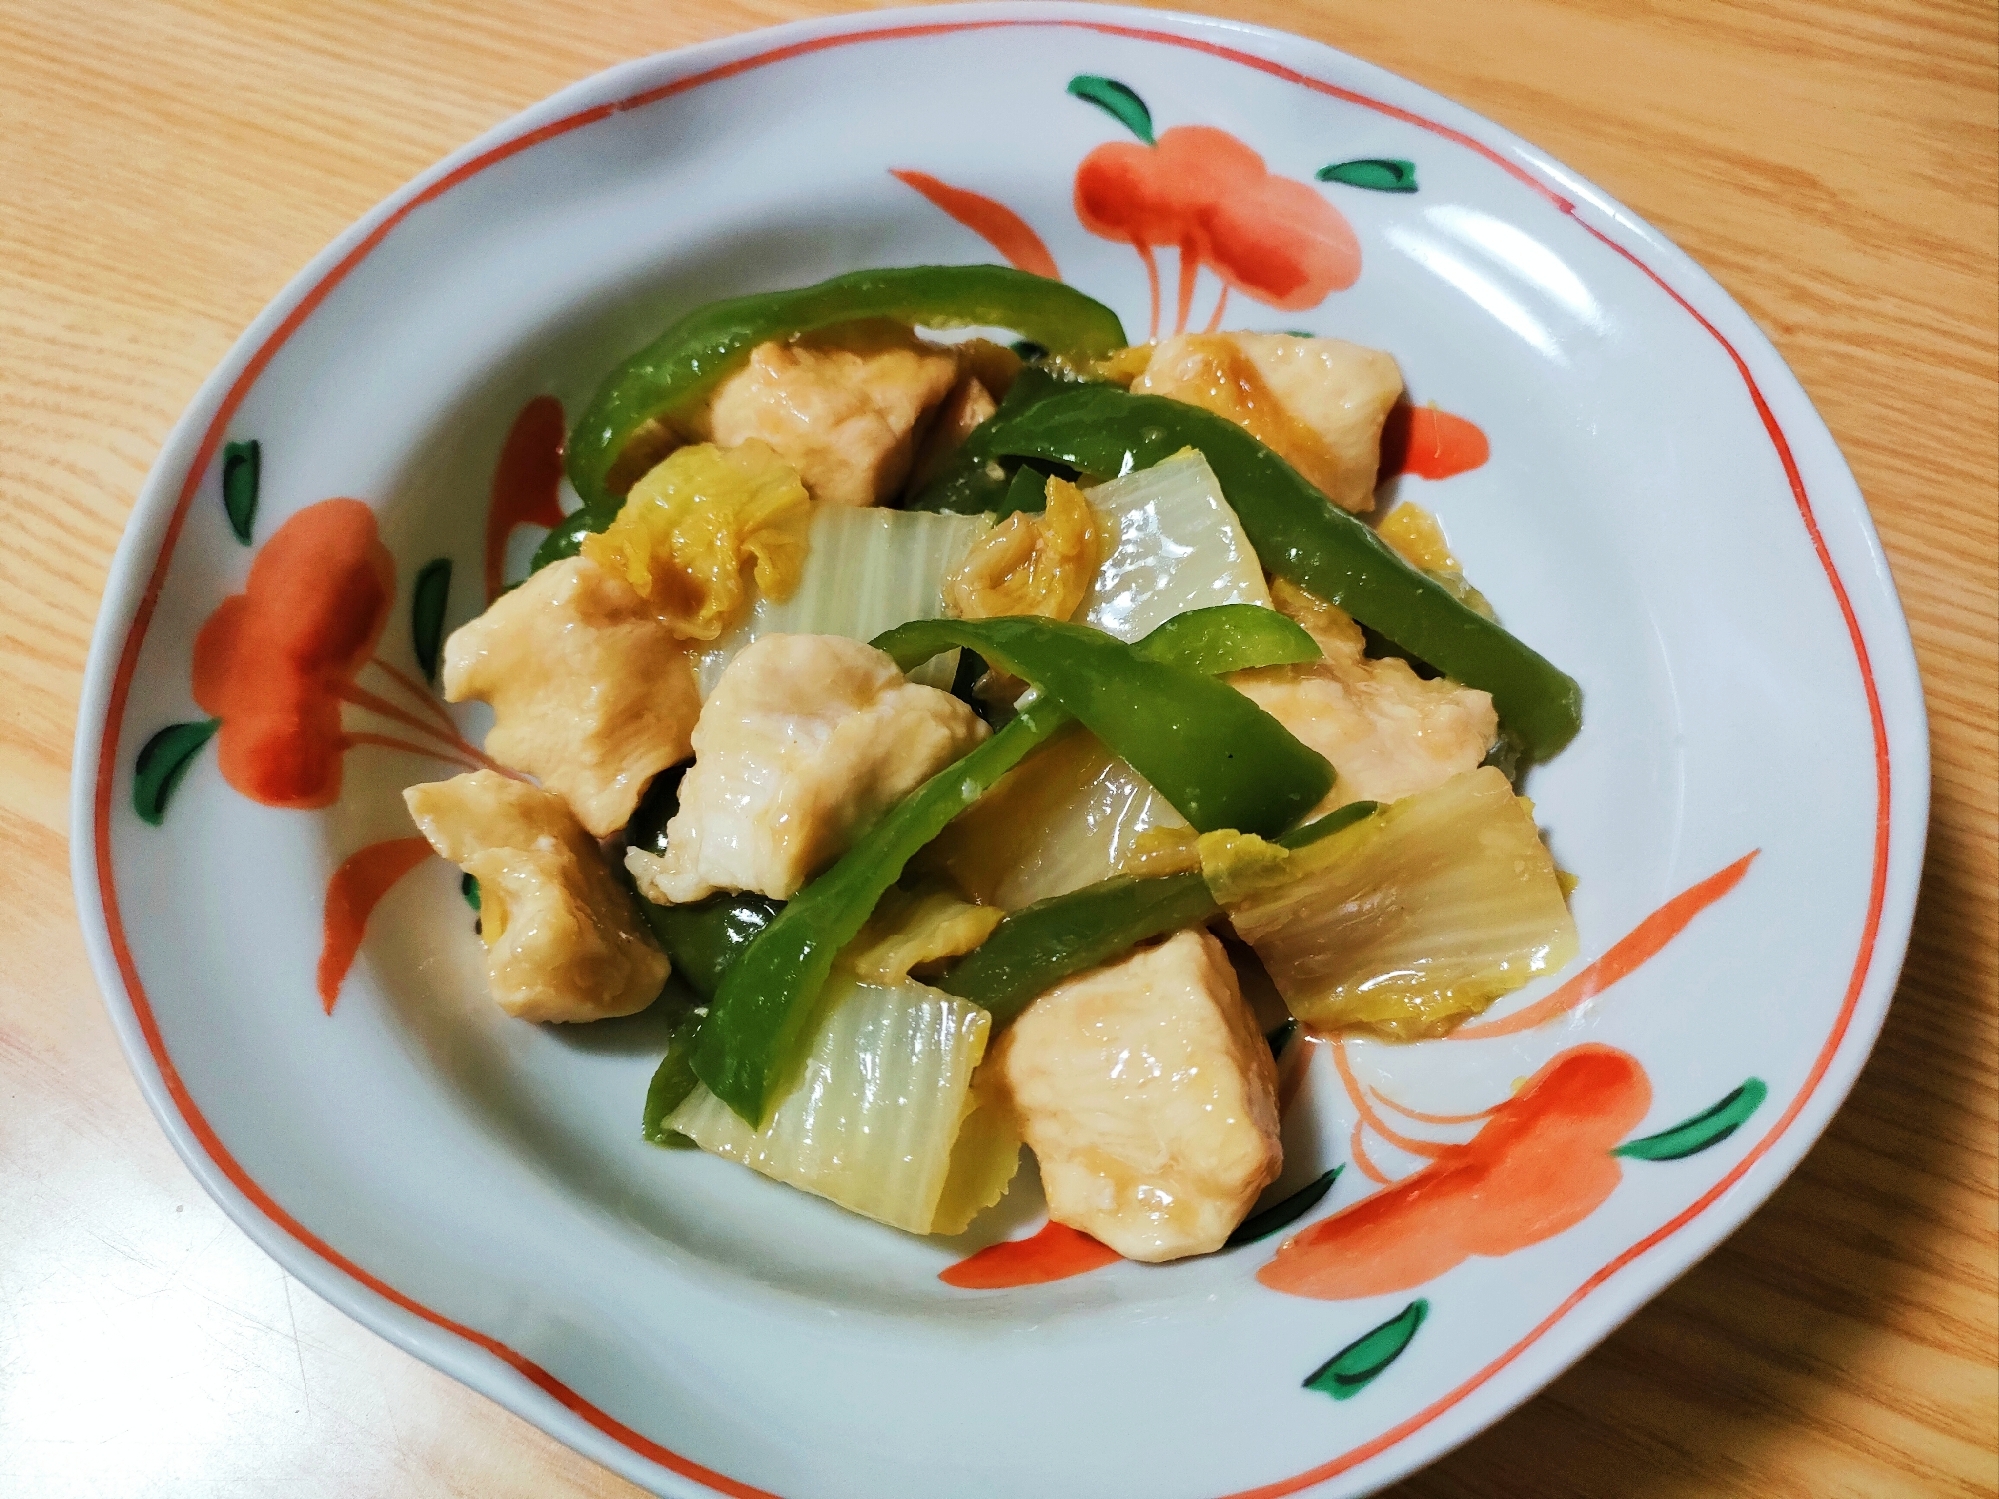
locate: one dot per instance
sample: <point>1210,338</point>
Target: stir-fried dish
<point>968,728</point>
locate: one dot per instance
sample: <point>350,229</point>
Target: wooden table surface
<point>165,167</point>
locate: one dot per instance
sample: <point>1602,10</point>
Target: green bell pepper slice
<point>1298,534</point>
<point>976,483</point>
<point>1221,760</point>
<point>672,1081</point>
<point>1038,946</point>
<point>750,1042</point>
<point>566,540</point>
<point>684,363</point>
<point>704,938</point>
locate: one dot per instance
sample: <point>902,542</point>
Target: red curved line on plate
<point>1357,1148</point>
<point>1625,956</point>
<point>1422,1118</point>
<point>1428,1149</point>
<point>993,222</point>
<point>357,887</point>
<point>121,684</point>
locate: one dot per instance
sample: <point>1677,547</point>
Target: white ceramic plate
<point>1662,513</point>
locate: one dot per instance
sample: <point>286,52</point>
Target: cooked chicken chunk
<point>1387,732</point>
<point>1319,402</point>
<point>806,740</point>
<point>563,940</point>
<point>592,693</point>
<point>968,404</point>
<point>842,407</point>
<point>1149,1098</point>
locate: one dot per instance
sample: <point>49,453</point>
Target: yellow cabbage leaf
<point>1234,864</point>
<point>1412,920</point>
<point>1031,564</point>
<point>911,928</point>
<point>890,1116</point>
<point>699,521</point>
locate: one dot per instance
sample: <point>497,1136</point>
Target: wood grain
<point>168,164</point>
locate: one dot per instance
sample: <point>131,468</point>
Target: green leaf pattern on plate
<point>162,761</point>
<point>1278,1215</point>
<point>1709,1127</point>
<point>1379,174</point>
<point>1115,100</point>
<point>242,475</point>
<point>427,601</point>
<point>1357,1365</point>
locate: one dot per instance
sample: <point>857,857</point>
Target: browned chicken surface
<point>592,693</point>
<point>1388,732</point>
<point>842,407</point>
<point>1149,1098</point>
<point>1318,402</point>
<point>563,938</point>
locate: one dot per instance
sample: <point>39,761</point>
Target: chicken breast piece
<point>592,693</point>
<point>563,939</point>
<point>1149,1098</point>
<point>1318,402</point>
<point>968,404</point>
<point>841,406</point>
<point>804,743</point>
<point>1387,732</point>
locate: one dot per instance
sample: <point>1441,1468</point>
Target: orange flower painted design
<point>1198,191</point>
<point>1541,1163</point>
<point>993,222</point>
<point>1205,194</point>
<point>352,894</point>
<point>272,660</point>
<point>275,663</point>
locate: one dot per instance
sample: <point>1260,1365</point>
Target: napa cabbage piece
<point>1069,815</point>
<point>1415,919</point>
<point>1031,562</point>
<point>884,1119</point>
<point>865,571</point>
<point>696,523</point>
<point>1074,813</point>
<point>916,928</point>
<point>1178,547</point>
<point>1235,865</point>
<point>1419,540</point>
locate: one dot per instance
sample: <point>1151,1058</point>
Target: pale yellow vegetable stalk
<point>1411,920</point>
<point>865,571</point>
<point>913,927</point>
<point>884,1118</point>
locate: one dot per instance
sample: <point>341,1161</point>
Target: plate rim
<point>1884,652</point>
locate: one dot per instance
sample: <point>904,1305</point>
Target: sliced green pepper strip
<point>685,362</point>
<point>976,483</point>
<point>1298,534</point>
<point>1222,761</point>
<point>765,1002</point>
<point>1040,945</point>
<point>705,937</point>
<point>672,1081</point>
<point>566,540</point>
